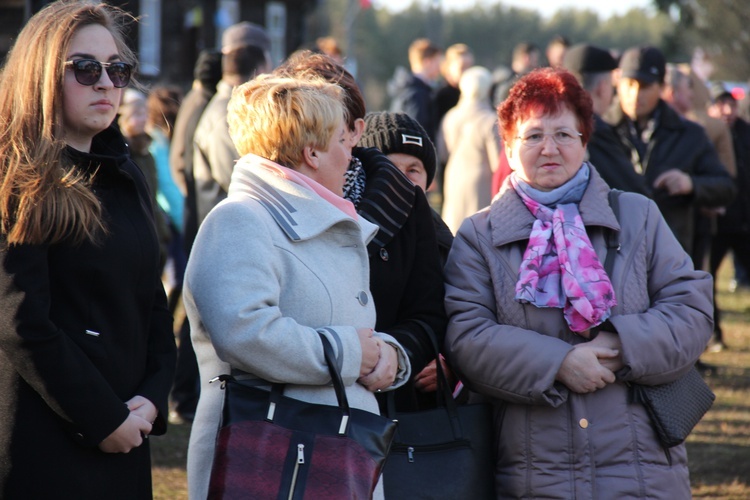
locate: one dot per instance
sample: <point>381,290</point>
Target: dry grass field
<point>719,448</point>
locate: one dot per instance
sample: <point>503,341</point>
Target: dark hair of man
<point>589,81</point>
<point>524,48</point>
<point>243,61</point>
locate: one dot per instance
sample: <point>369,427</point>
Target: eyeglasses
<point>563,137</point>
<point>89,71</point>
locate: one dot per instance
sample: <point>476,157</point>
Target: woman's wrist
<point>402,371</point>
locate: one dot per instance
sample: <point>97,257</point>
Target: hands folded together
<point>379,361</point>
<point>592,365</point>
<point>131,433</point>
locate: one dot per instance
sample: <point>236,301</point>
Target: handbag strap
<point>613,237</point>
<point>338,383</point>
<point>277,389</point>
<point>613,243</point>
<point>444,396</point>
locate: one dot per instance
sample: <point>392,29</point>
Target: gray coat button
<point>362,298</point>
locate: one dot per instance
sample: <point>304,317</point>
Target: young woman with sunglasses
<point>86,345</point>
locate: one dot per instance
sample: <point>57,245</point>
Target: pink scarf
<point>337,201</point>
<point>561,269</point>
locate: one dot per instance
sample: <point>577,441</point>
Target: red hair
<point>547,91</point>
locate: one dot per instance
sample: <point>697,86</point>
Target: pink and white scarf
<point>560,267</point>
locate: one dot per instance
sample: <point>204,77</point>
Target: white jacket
<point>273,265</point>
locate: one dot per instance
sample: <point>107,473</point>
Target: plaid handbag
<point>271,446</point>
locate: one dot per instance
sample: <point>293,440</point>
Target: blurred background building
<point>170,33</point>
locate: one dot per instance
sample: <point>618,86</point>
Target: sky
<point>605,8</point>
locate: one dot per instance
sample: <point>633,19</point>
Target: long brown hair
<point>43,198</point>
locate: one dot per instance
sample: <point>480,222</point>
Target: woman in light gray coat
<point>469,145</point>
<point>527,293</point>
<point>281,260</point>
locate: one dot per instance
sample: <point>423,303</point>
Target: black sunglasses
<point>89,71</point>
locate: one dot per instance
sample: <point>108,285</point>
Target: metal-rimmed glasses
<point>562,137</point>
<point>89,71</point>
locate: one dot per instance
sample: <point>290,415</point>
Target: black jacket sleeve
<point>44,356</point>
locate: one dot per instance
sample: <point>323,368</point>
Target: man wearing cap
<point>674,155</point>
<point>593,67</point>
<point>245,49</point>
<point>733,228</point>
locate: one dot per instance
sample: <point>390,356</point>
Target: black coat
<point>406,274</point>
<point>84,328</point>
<point>413,96</point>
<point>612,162</point>
<point>737,217</point>
<point>682,144</point>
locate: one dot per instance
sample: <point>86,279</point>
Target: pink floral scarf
<point>560,267</point>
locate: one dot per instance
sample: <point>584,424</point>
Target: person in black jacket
<point>674,155</point>
<point>406,276</point>
<point>86,344</point>
<point>733,228</point>
<point>412,91</point>
<point>207,73</point>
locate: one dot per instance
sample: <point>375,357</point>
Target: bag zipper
<point>300,461</point>
<point>412,450</point>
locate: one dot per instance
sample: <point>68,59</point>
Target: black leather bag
<point>442,453</point>
<point>674,408</point>
<point>677,407</point>
<point>270,446</point>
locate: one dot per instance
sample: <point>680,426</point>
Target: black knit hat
<point>399,133</point>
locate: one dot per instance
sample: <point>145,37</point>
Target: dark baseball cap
<point>585,58</point>
<point>719,91</point>
<point>645,64</point>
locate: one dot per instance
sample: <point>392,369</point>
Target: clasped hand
<point>675,181</point>
<point>592,365</point>
<point>134,429</point>
<point>379,361</point>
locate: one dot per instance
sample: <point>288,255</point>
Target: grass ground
<point>718,448</point>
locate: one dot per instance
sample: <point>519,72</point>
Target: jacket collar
<point>108,154</point>
<point>389,195</point>
<point>224,89</point>
<point>300,213</point>
<point>668,117</point>
<point>511,221</point>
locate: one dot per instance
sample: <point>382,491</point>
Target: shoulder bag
<point>270,446</point>
<point>675,408</point>
<point>441,453</point>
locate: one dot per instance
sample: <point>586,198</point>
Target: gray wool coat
<point>273,265</point>
<point>551,442</point>
<point>469,145</point>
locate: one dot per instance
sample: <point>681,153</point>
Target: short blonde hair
<point>276,118</point>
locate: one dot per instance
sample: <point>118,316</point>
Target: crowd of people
<point>473,214</point>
